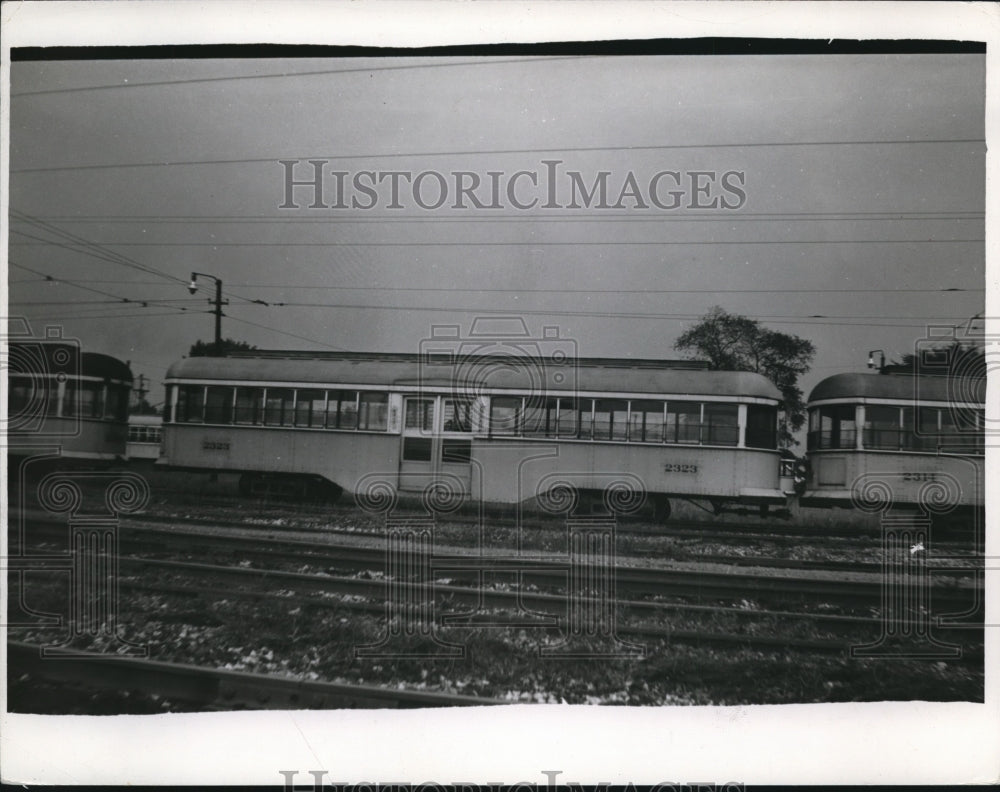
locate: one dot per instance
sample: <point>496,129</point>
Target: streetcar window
<point>762,426</point>
<point>457,415</point>
<point>347,410</point>
<point>419,415</point>
<point>190,404</point>
<point>91,400</point>
<point>684,422</point>
<point>832,427</point>
<point>949,428</point>
<point>928,428</point>
<point>50,396</point>
<point>166,404</point>
<point>723,424</point>
<point>310,406</point>
<point>567,426</point>
<point>249,405</point>
<point>503,414</point>
<point>219,405</point>
<point>374,411</point>
<point>610,419</point>
<point>586,413</point>
<point>126,394</point>
<point>647,422</point>
<point>536,414</point>
<point>417,449</point>
<point>883,428</point>
<point>20,394</point>
<point>278,406</point>
<point>71,399</point>
<point>455,450</point>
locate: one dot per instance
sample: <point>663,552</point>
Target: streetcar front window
<point>723,424</point>
<point>219,405</point>
<point>190,404</point>
<point>762,426</point>
<point>834,426</point>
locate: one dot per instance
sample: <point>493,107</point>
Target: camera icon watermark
<point>42,373</point>
<point>951,366</point>
<point>909,506</point>
<point>499,352</point>
<point>93,503</point>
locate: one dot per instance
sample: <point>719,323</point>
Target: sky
<point>854,215</point>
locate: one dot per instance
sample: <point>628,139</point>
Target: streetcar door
<point>437,443</point>
<point>454,452</point>
<point>416,459</point>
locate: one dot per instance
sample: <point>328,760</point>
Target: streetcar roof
<point>59,357</point>
<point>924,388</point>
<point>473,373</point>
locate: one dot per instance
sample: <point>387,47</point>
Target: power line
<point>589,314</point>
<point>540,244</point>
<point>871,216</point>
<point>117,297</point>
<point>285,75</point>
<point>97,250</point>
<point>285,332</point>
<point>498,152</point>
<point>89,247</point>
<point>531,290</point>
<point>122,301</point>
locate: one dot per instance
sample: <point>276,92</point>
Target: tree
<point>737,343</point>
<point>227,345</point>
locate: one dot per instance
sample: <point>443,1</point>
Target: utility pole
<point>219,302</point>
<point>142,390</point>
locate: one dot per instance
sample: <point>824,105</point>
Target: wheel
<point>661,508</point>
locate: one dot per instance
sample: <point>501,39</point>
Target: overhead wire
<point>499,152</point>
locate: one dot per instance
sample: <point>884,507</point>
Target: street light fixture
<point>871,359</point>
<point>218,302</point>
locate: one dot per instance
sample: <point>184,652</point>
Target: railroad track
<point>714,558</point>
<point>703,530</point>
<point>551,571</point>
<point>214,688</point>
<point>532,609</point>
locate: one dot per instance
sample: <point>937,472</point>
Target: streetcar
<point>492,428</point>
<point>896,440</point>
<point>66,403</point>
<point>144,435</point>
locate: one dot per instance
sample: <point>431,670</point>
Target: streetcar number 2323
<point>919,477</point>
<point>676,467</point>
